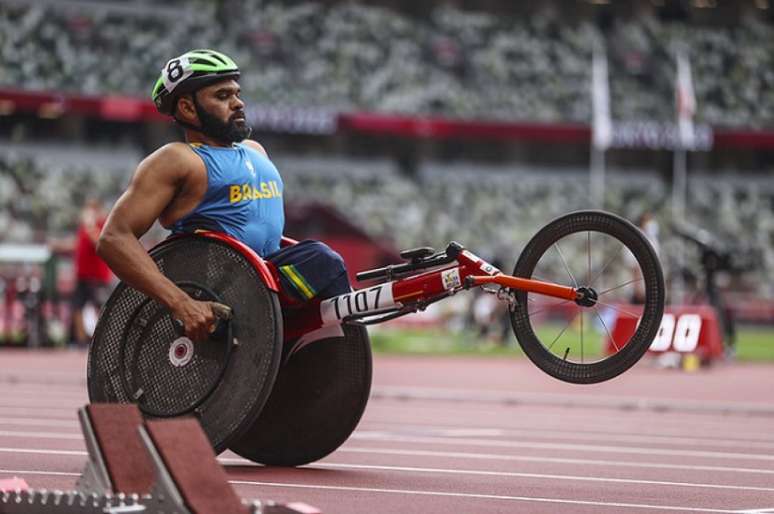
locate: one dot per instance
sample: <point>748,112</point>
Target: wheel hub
<point>586,297</point>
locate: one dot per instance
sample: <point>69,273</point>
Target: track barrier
<point>690,332</point>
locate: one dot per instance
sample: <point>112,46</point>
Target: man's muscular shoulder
<point>177,169</point>
<point>174,161</point>
<point>255,145</point>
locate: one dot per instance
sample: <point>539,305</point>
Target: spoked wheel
<point>615,267</point>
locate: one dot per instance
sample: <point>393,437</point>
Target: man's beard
<point>225,132</point>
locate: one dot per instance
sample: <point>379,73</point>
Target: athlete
<point>218,180</point>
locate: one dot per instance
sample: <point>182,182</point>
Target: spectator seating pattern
<point>496,211</point>
<point>493,211</point>
<point>347,56</point>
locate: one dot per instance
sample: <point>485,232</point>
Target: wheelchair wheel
<point>318,399</point>
<point>618,267</point>
<point>139,355</point>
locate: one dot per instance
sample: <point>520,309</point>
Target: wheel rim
<point>596,253</point>
<point>603,270</point>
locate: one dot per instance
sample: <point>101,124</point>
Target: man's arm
<point>152,189</point>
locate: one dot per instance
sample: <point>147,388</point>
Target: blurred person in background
<point>92,274</point>
<point>490,316</point>
<point>219,180</point>
<point>649,226</point>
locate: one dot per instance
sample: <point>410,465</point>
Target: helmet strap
<point>188,125</point>
<point>182,123</point>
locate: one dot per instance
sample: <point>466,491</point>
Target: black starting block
<point>152,467</point>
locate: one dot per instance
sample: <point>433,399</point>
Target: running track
<point>470,435</point>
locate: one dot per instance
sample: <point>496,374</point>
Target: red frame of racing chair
<point>392,298</point>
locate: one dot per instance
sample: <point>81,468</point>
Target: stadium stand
<point>357,57</point>
<point>43,186</point>
<point>353,57</point>
<point>483,207</point>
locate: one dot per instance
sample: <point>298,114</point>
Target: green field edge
<point>754,343</point>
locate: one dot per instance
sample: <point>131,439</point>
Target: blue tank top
<point>243,198</point>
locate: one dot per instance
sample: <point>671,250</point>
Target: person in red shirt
<point>93,276</point>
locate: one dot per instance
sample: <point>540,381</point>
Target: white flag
<point>600,99</point>
<point>686,102</point>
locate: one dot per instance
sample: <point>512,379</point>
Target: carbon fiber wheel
<point>317,401</point>
<point>614,264</point>
<point>139,355</point>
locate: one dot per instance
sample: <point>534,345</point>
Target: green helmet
<point>189,72</point>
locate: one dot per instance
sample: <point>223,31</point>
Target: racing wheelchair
<point>294,408</point>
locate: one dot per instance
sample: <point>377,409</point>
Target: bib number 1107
<point>369,300</point>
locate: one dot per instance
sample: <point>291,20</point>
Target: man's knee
<point>327,256</point>
<point>337,281</point>
<point>311,269</point>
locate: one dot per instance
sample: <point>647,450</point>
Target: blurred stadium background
<point>398,124</point>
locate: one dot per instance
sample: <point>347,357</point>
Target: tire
<point>600,233</point>
<point>317,401</point>
<point>228,378</point>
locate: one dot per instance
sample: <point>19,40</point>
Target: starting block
<point>162,466</point>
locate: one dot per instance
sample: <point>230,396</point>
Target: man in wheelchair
<point>247,397</point>
<point>217,181</point>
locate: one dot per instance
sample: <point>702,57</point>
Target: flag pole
<point>597,177</point>
<point>685,140</point>
<point>601,126</point>
<point>679,186</point>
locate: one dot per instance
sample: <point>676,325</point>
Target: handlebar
<point>394,270</point>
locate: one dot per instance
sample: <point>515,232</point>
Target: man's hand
<point>197,317</point>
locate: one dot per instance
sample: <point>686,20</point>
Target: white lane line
<point>551,460</point>
<point>35,410</point>
<point>548,433</point>
<point>37,451</point>
<point>444,431</point>
<point>37,472</point>
<point>44,377</point>
<point>617,402</point>
<point>443,439</point>
<point>41,435</point>
<point>597,424</point>
<point>447,431</point>
<point>460,432</point>
<point>459,455</point>
<point>385,436</point>
<point>47,391</point>
<point>534,499</point>
<point>441,431</point>
<point>429,493</point>
<point>590,417</point>
<point>482,473</point>
<point>41,403</point>
<point>40,422</point>
<point>533,475</point>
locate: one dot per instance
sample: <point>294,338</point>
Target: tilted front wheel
<point>616,268</point>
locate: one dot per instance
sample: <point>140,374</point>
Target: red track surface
<point>470,435</point>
